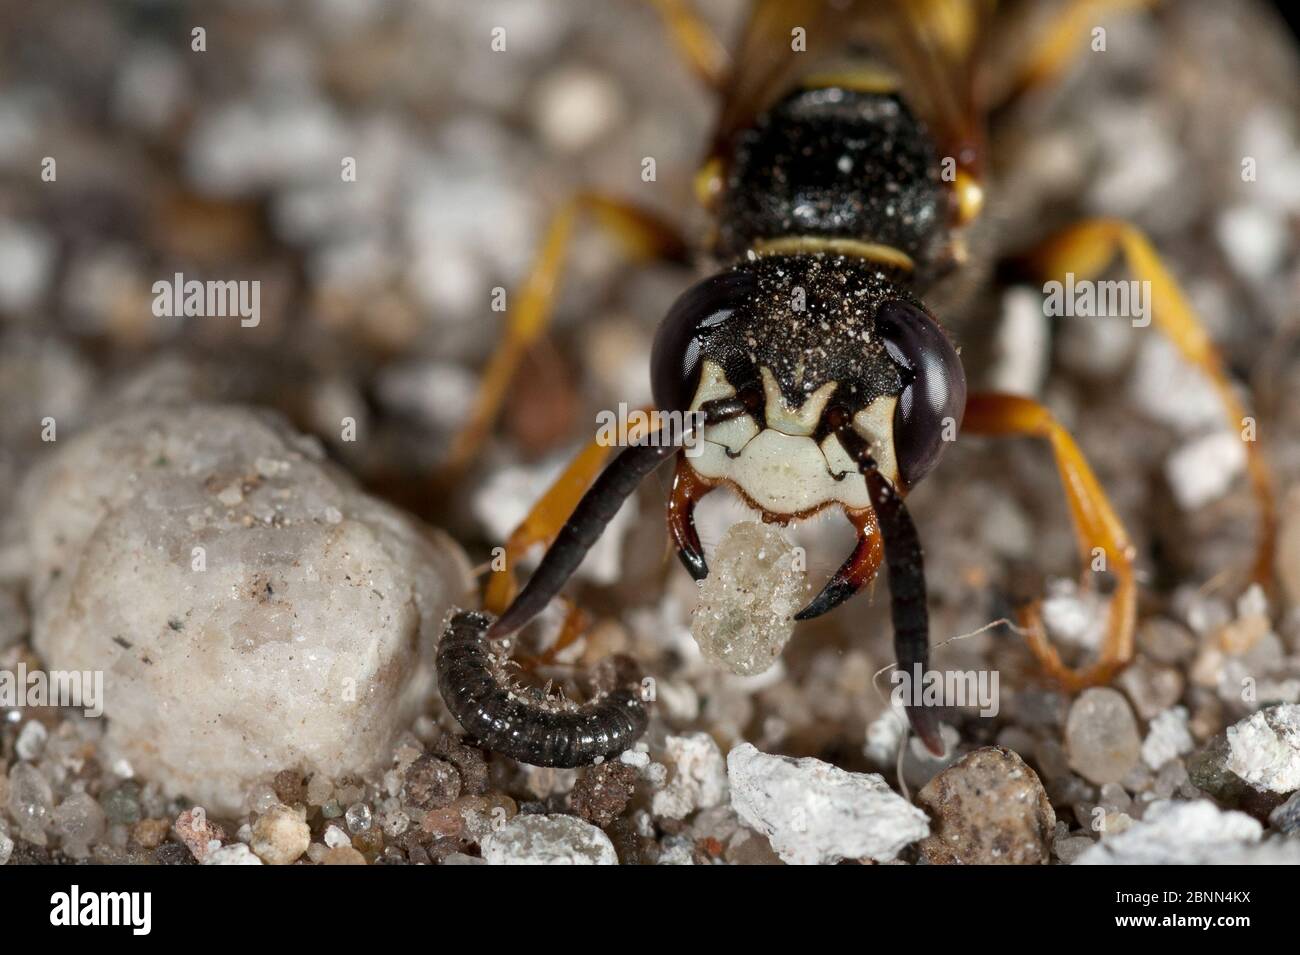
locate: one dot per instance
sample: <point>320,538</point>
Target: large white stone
<point>1192,833</point>
<point>250,608</point>
<point>815,813</point>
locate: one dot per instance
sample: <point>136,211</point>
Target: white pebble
<point>1021,345</point>
<point>1169,390</point>
<point>1191,833</point>
<point>699,779</point>
<point>1254,237</point>
<point>635,757</point>
<point>326,630</point>
<point>26,264</point>
<point>31,741</point>
<point>1264,748</point>
<point>815,813</point>
<point>280,836</point>
<point>1204,469</point>
<point>548,840</point>
<point>234,854</point>
<point>576,107</point>
<point>1168,737</point>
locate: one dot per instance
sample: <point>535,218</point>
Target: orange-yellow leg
<point>543,522</point>
<point>1086,250</point>
<point>695,41</point>
<point>575,625</point>
<point>1096,526</point>
<point>641,234</point>
<point>552,509</point>
<point>1060,41</point>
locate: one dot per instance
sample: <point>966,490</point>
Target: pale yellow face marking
<point>785,417</point>
<point>875,425</point>
<point>781,468</point>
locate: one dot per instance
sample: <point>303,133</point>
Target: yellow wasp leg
<point>1086,250</point>
<point>1063,39</point>
<point>1096,526</point>
<point>695,41</point>
<point>547,516</point>
<point>641,234</point>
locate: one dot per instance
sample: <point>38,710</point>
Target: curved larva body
<point>494,715</point>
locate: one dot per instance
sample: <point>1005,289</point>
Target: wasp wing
<point>927,49</point>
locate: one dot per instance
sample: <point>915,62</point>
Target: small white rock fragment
<point>1204,469</point>
<point>1074,616</point>
<point>699,779</point>
<point>31,802</point>
<point>1264,748</point>
<point>548,840</point>
<point>280,835</point>
<point>745,614</point>
<point>575,107</point>
<point>1021,344</point>
<point>637,757</point>
<point>27,258</point>
<point>234,854</point>
<point>1169,389</point>
<point>80,822</point>
<point>815,813</point>
<point>31,740</point>
<point>1101,736</point>
<point>1168,737</point>
<point>884,737</point>
<point>1195,832</point>
<point>1254,237</point>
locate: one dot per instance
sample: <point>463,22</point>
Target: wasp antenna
<point>906,580</point>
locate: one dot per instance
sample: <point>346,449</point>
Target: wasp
<point>848,179</point>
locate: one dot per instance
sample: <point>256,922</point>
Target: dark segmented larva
<point>470,678</point>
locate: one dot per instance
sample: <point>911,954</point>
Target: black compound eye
<point>934,386</point>
<point>682,342</point>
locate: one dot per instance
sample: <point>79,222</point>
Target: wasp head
<point>813,344</point>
